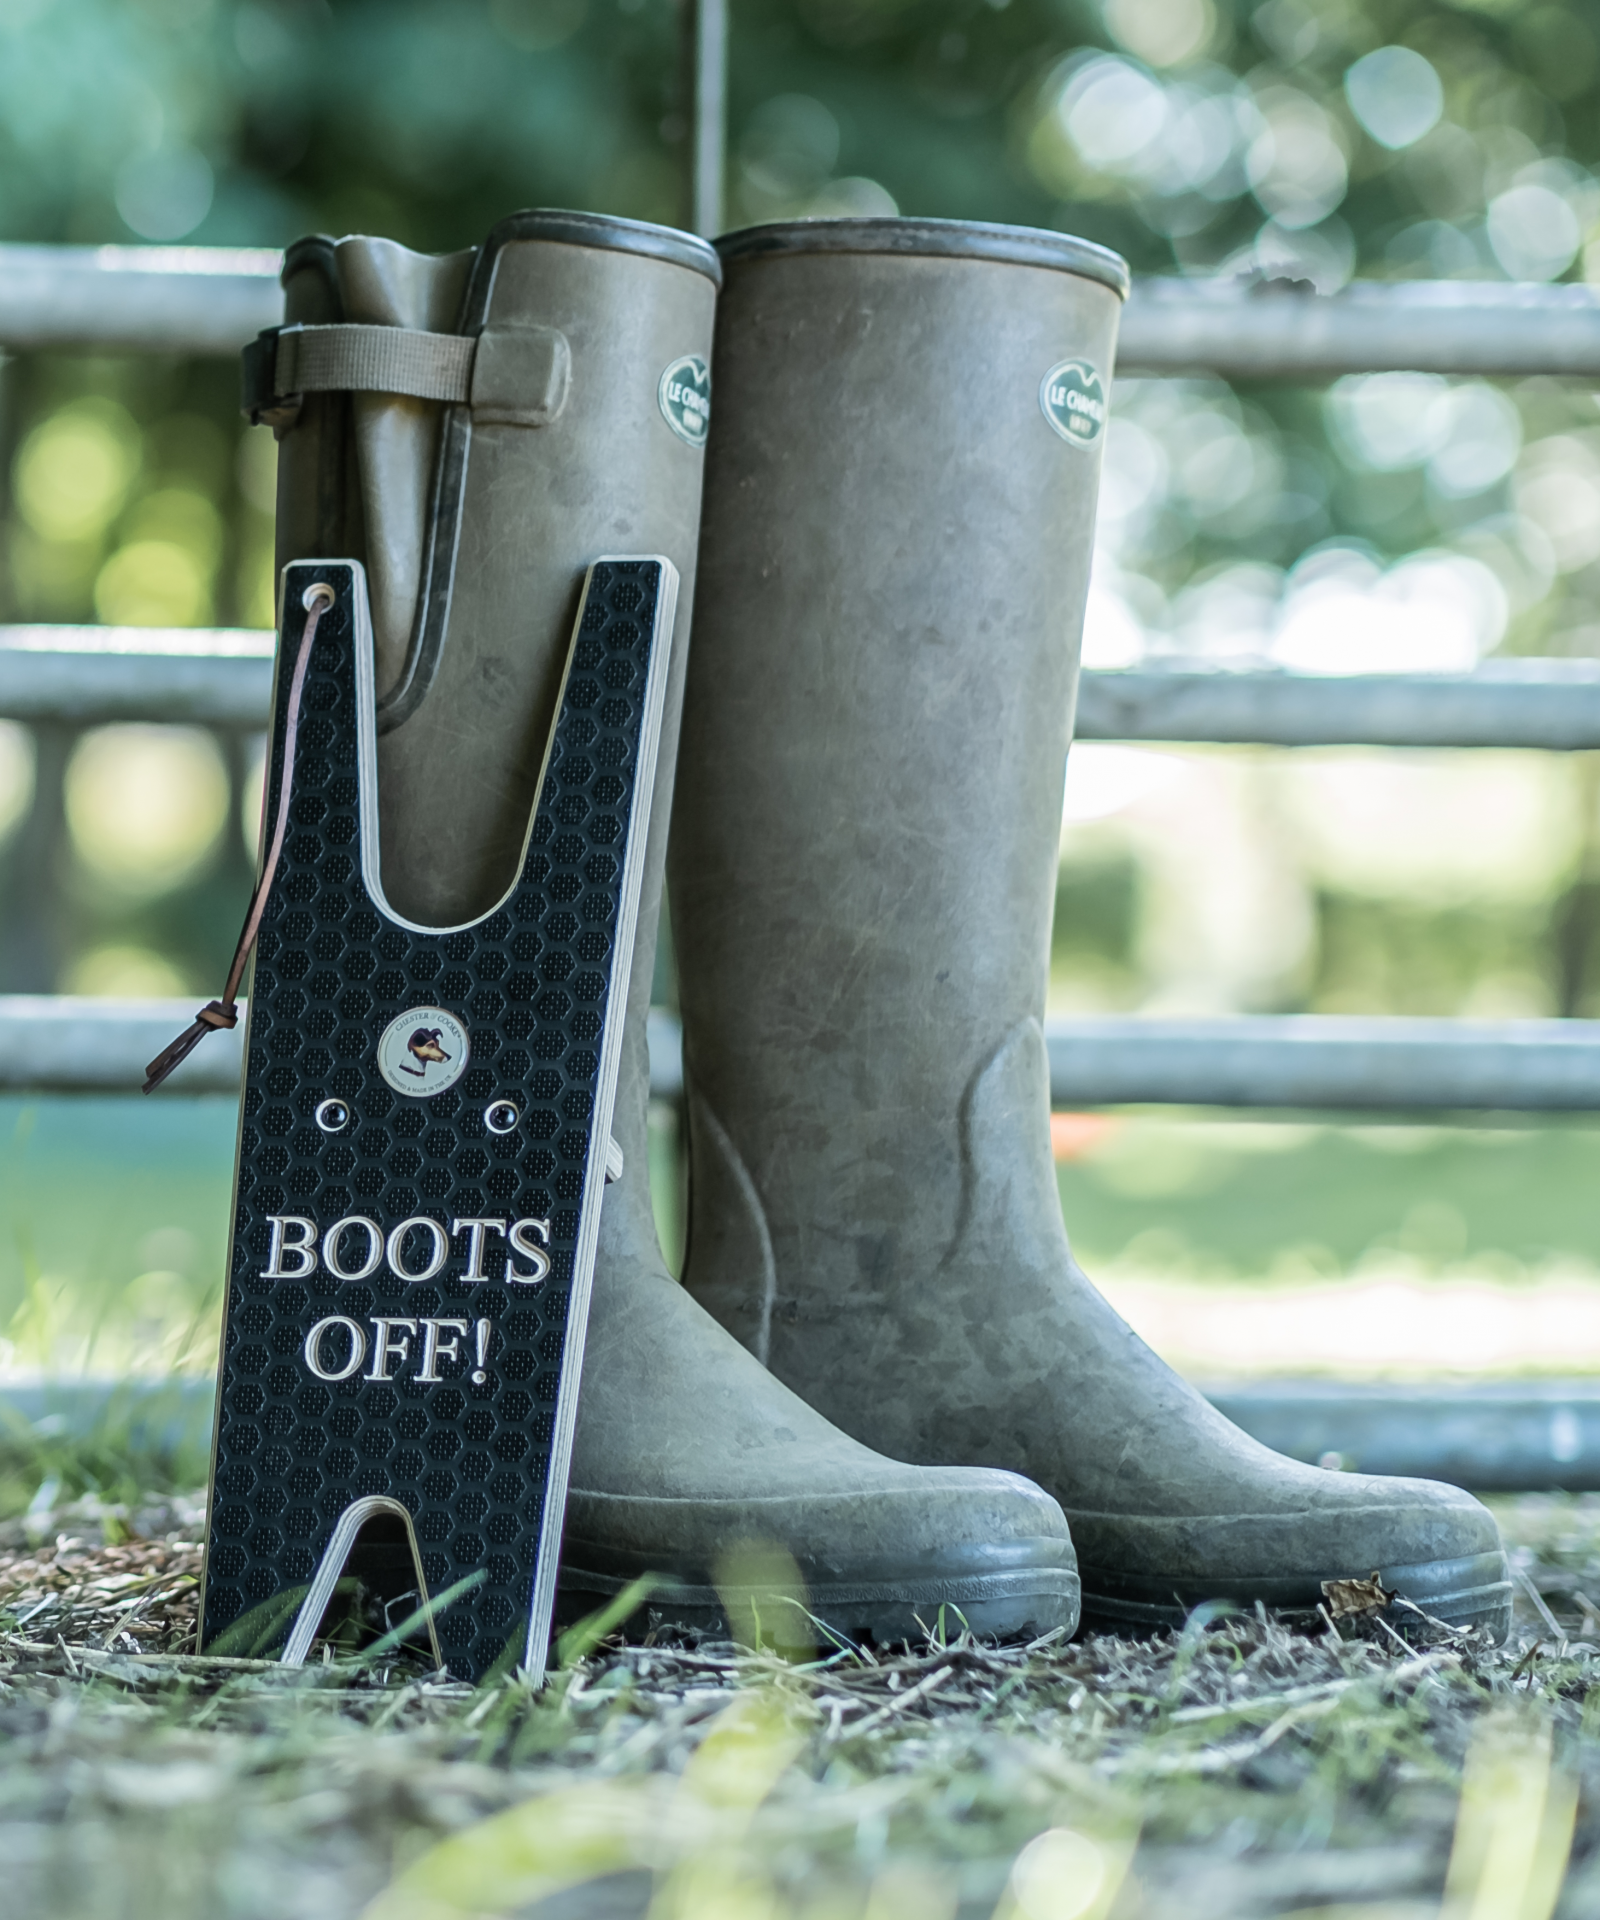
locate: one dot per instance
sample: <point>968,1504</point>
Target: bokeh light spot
<point>124,973</point>
<point>852,198</point>
<point>1388,421</point>
<point>1559,490</point>
<point>256,468</point>
<point>153,583</point>
<point>145,804</point>
<point>166,194</point>
<point>1534,233</point>
<point>16,776</point>
<point>1480,436</point>
<point>1103,780</point>
<point>1297,164</point>
<point>1395,94</point>
<point>1433,612</point>
<point>252,796</point>
<point>182,516</point>
<point>74,469</point>
<point>1112,111</point>
<point>1059,1876</point>
<point>1164,32</point>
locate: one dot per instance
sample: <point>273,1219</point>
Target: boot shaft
<point>476,527</point>
<point>897,533</point>
<point>899,509</point>
<point>476,521</point>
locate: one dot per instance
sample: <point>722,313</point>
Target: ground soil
<point>1235,1770</point>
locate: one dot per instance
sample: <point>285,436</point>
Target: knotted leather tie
<point>224,1012</point>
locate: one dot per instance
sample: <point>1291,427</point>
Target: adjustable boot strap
<point>427,366</point>
<point>518,375</point>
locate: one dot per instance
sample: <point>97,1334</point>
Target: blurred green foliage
<point>1391,521</point>
<point>1165,128</point>
<point>113,456</point>
<point>1222,1196</point>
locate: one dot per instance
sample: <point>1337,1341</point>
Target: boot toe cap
<point>878,1558</point>
<point>1434,1545</point>
<point>692,1460</point>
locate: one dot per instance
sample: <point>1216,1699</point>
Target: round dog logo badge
<point>685,396</point>
<point>1072,399</point>
<point>423,1051</point>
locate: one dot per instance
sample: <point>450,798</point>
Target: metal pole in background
<point>710,44</point>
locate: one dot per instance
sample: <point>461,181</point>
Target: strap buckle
<point>259,398</point>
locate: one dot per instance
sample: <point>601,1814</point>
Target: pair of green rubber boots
<point>883,1365</point>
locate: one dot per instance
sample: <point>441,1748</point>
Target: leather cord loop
<point>224,1012</point>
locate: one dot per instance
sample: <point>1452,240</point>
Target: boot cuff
<point>941,239</point>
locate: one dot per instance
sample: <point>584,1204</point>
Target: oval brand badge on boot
<point>423,1052</point>
<point>685,396</point>
<point>1072,399</point>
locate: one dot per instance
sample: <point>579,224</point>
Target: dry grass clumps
<point>1230,1771</point>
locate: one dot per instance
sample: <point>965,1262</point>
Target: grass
<point>1230,1771</point>
<point>114,1214</point>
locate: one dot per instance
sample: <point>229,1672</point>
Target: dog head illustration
<point>424,1047</point>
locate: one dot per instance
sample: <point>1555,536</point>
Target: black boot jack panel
<point>422,1158</point>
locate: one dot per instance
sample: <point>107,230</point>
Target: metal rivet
<point>333,1116</point>
<point>500,1116</point>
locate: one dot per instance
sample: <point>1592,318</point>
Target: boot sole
<point>1002,1606</point>
<point>1473,1591</point>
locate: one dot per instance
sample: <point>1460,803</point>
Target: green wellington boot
<point>580,434</point>
<point>895,551</point>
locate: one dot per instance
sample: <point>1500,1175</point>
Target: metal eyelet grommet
<point>333,1116</point>
<point>501,1117</point>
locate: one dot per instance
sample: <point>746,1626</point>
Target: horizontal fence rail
<point>1549,704</point>
<point>1270,332</point>
<point>61,1043</point>
<point>1320,1061</point>
<point>204,300</point>
<point>86,676</point>
<point>1490,1437</point>
<point>172,300</point>
<point>57,1043</point>
<point>223,677</point>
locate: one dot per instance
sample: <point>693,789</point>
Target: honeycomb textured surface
<point>532,983</point>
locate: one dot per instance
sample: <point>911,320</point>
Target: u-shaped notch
<point>345,1533</point>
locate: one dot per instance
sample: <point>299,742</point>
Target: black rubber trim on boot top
<point>612,232</point>
<point>935,239</point>
<point>1471,1591</point>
